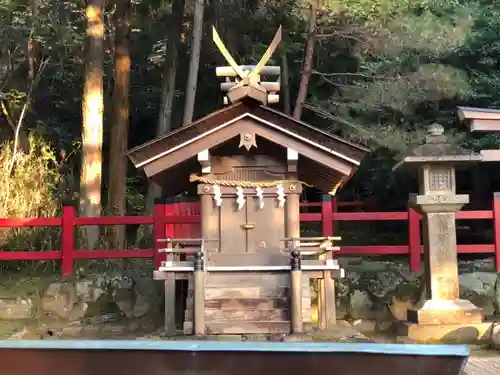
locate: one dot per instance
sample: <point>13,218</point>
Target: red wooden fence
<point>183,220</point>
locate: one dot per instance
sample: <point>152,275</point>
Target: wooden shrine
<point>482,120</point>
<point>250,270</point>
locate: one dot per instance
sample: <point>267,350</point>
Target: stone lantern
<point>437,201</point>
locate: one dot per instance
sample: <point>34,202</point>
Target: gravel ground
<point>483,365</point>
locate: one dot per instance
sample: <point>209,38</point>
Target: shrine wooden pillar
<point>292,204</point>
<point>169,285</point>
<point>327,307</point>
<point>292,230</point>
<point>208,216</point>
<point>208,211</point>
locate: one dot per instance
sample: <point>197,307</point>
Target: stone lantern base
<point>448,333</point>
<point>457,311</point>
<point>446,321</point>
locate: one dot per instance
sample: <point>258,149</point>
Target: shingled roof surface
<point>179,136</point>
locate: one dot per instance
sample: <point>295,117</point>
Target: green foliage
<point>363,10</point>
<point>31,190</point>
<point>384,69</point>
<point>411,64</point>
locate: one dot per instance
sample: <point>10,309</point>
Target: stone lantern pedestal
<point>441,311</point>
<point>443,304</point>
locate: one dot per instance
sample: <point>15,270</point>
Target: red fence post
<point>327,205</point>
<point>335,208</point>
<point>159,232</point>
<point>68,240</point>
<point>170,209</point>
<point>496,229</point>
<point>414,239</point>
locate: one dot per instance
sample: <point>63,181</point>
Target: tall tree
<point>92,128</point>
<point>33,47</point>
<point>164,124</point>
<point>170,70</point>
<point>308,60</point>
<point>285,84</point>
<point>119,127</point>
<point>194,62</point>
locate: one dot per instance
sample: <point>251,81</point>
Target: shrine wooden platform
<point>242,302</point>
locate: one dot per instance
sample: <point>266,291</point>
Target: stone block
<point>61,300</point>
<point>495,336</point>
<point>446,312</point>
<point>15,308</point>
<point>446,333</point>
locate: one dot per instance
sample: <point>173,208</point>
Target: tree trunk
<point>117,203</point>
<point>93,105</point>
<point>33,47</point>
<point>285,84</point>
<point>168,93</point>
<point>194,62</point>
<point>308,60</point>
<point>170,71</point>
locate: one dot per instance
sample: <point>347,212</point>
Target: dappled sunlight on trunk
<point>92,128</point>
<point>117,185</point>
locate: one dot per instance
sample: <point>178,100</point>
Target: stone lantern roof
<point>436,150</point>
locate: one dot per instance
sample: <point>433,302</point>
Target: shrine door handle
<point>248,226</point>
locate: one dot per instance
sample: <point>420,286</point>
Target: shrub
<point>31,189</point>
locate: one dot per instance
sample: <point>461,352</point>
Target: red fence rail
<point>183,220</point>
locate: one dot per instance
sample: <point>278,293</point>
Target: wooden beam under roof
<point>471,113</point>
<point>484,125</point>
<point>480,119</point>
<point>489,156</point>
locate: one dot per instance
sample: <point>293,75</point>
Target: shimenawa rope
<point>254,184</point>
<point>243,184</point>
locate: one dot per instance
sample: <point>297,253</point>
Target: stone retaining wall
<point>132,296</point>
<point>375,289</point>
<point>382,290</point>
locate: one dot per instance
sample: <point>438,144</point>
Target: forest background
<point>81,82</point>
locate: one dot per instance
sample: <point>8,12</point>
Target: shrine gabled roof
<point>473,112</point>
<point>480,119</point>
<point>148,151</point>
<point>338,158</point>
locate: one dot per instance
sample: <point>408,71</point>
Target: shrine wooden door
<point>251,229</point>
<point>269,227</point>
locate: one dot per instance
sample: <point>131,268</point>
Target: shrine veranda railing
<point>183,220</point>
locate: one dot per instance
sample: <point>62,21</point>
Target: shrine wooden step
<point>247,279</point>
<point>268,258</point>
<point>237,315</point>
<point>233,312</point>
<point>243,303</point>
<point>249,292</point>
<point>251,298</point>
<point>241,328</point>
<point>247,303</point>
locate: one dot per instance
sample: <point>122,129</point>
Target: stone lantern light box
<point>436,161</point>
